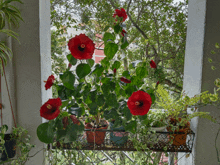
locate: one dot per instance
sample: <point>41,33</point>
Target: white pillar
<point>202,34</point>
<point>32,65</point>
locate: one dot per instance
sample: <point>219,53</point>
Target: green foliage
<point>178,107</point>
<point>9,15</point>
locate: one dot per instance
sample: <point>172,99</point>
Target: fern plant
<point>177,108</point>
<point>9,16</point>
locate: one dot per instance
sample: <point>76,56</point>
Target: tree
<point>156,27</point>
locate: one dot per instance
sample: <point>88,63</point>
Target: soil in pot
<point>10,147</point>
<point>120,137</point>
<point>96,134</point>
<point>179,139</point>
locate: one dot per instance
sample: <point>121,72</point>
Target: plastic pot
<point>10,148</point>
<point>119,138</point>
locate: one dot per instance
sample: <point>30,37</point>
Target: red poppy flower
<point>153,64</point>
<point>50,110</point>
<point>49,82</point>
<point>123,32</point>
<point>139,103</point>
<point>125,80</point>
<point>120,13</point>
<point>81,47</point>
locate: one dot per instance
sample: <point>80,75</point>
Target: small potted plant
<point>176,110</point>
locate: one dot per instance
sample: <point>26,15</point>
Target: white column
<point>32,65</point>
<point>202,34</point>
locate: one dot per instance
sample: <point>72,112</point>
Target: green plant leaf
<point>106,28</point>
<point>68,79</point>
<point>110,50</point>
<point>45,133</point>
<point>124,43</point>
<point>141,72</point>
<point>126,74</point>
<point>108,36</point>
<point>217,45</point>
<point>71,59</point>
<point>117,28</point>
<point>98,70</point>
<point>90,62</point>
<point>116,65</point>
<point>83,70</point>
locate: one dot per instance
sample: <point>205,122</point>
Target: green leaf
<point>108,36</point>
<point>98,70</point>
<point>68,79</point>
<point>213,52</point>
<point>93,108</point>
<point>131,126</point>
<point>126,74</point>
<point>106,28</point>
<point>100,100</point>
<point>141,72</point>
<point>45,133</point>
<point>116,65</point>
<point>83,70</point>
<point>64,104</point>
<point>105,62</point>
<point>90,62</point>
<point>71,59</point>
<point>124,43</point>
<point>117,28</point>
<point>127,113</point>
<point>110,50</point>
<point>217,45</point>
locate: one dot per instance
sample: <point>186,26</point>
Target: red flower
<point>157,83</point>
<point>49,82</point>
<point>153,64</point>
<point>123,32</point>
<point>120,13</point>
<point>114,70</point>
<point>81,47</point>
<point>139,103</point>
<point>125,80</point>
<point>50,110</point>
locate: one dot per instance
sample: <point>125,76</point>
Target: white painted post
<point>202,34</point>
<point>31,66</point>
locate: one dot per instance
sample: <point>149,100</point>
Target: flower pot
<point>179,139</point>
<point>10,148</point>
<point>96,135</point>
<point>119,138</point>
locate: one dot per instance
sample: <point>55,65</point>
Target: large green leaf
<point>117,28</point>
<point>68,79</point>
<point>98,70</point>
<point>108,36</point>
<point>116,65</point>
<point>110,50</point>
<point>83,70</point>
<point>71,59</point>
<point>45,133</point>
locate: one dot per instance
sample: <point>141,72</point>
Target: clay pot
<point>179,139</point>
<point>95,135</point>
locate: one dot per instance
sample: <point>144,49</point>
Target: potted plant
<point>176,110</point>
<point>119,137</point>
<point>98,92</point>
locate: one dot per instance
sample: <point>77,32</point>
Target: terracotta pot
<point>95,135</point>
<point>179,139</point>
